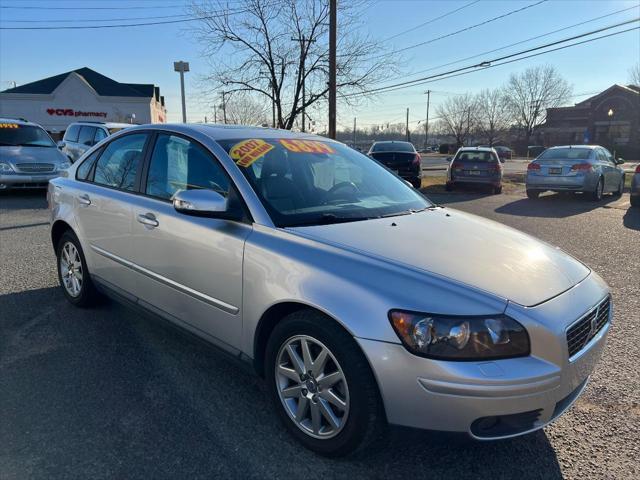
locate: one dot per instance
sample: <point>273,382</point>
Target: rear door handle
<point>84,200</point>
<point>148,219</point>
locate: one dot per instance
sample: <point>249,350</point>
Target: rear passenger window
<point>179,164</point>
<point>118,166</point>
<point>84,170</point>
<point>86,136</point>
<point>71,135</point>
<point>100,135</point>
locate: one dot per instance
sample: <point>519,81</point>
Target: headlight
<point>460,337</point>
<point>6,168</point>
<point>63,166</point>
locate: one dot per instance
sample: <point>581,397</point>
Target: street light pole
<point>182,67</point>
<point>426,124</point>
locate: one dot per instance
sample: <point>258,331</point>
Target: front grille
<point>581,332</point>
<point>35,167</point>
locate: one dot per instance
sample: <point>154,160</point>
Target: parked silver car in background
<point>28,156</point>
<point>575,168</point>
<point>359,301</point>
<point>81,136</point>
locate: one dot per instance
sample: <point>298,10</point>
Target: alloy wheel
<point>71,269</point>
<point>312,386</point>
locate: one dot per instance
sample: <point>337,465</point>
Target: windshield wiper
<point>330,218</point>
<point>403,212</point>
<point>3,144</point>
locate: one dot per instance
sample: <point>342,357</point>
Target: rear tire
<point>359,421</point>
<point>533,194</point>
<point>73,273</point>
<point>417,183</point>
<point>635,201</point>
<point>596,195</point>
<point>620,190</point>
<point>497,190</point>
<point>448,187</point>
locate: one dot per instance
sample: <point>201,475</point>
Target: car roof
<point>103,124</point>
<point>228,132</point>
<point>476,149</point>
<point>590,147</point>
<point>19,121</point>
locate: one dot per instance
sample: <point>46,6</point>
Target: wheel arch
<point>57,230</point>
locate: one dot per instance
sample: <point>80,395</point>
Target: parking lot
<point>109,393</point>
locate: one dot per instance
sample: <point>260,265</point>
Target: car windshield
<point>566,154</point>
<point>16,134</point>
<point>393,147</point>
<point>475,156</point>
<point>310,182</point>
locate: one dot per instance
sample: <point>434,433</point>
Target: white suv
<point>81,136</point>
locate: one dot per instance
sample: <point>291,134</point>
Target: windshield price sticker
<point>248,151</point>
<point>9,125</point>
<point>306,146</point>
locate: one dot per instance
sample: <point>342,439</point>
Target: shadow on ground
<point>631,218</point>
<point>23,199</point>
<point>555,205</point>
<point>110,393</point>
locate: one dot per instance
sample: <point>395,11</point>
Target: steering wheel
<point>334,193</point>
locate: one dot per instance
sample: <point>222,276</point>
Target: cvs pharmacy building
<point>86,95</point>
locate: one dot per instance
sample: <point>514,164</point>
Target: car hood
<point>32,155</point>
<point>462,247</point>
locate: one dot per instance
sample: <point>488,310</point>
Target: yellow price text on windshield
<point>248,151</point>
<point>306,146</point>
<point>9,125</point>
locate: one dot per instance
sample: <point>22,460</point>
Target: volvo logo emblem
<point>594,324</point>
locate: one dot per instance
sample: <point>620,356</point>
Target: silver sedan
<point>358,300</point>
<point>575,168</point>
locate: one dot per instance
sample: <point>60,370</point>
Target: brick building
<point>610,118</point>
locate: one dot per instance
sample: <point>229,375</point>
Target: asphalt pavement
<point>110,393</point>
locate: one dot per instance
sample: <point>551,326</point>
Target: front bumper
<point>499,398</point>
<point>23,180</point>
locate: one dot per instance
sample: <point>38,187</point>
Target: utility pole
<point>182,67</point>
<point>224,107</point>
<point>215,114</point>
<point>205,119</point>
<point>273,104</point>
<point>332,67</point>
<point>303,57</point>
<point>354,132</point>
<point>408,139</point>
<point>426,124</point>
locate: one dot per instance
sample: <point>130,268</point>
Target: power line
<point>490,20</point>
<point>94,27</point>
<point>130,7</point>
<point>75,20</point>
<point>525,41</point>
<point>431,20</point>
<point>488,63</point>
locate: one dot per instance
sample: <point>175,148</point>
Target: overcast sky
<point>146,54</point>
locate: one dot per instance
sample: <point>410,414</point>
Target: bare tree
<point>529,94</point>
<point>243,109</point>
<point>634,74</point>
<point>279,49</point>
<point>492,116</point>
<point>457,116</point>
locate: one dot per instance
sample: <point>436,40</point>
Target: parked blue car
<point>575,168</point>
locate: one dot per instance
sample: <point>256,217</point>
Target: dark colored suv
<point>401,158</point>
<point>475,165</point>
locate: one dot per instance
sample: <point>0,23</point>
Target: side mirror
<point>61,145</point>
<point>201,203</point>
<point>449,159</point>
<point>409,184</point>
<point>620,161</point>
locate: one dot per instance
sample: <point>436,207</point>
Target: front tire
<point>533,194</point>
<point>73,273</point>
<point>322,386</point>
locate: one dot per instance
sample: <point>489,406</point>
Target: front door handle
<point>148,219</point>
<point>84,200</point>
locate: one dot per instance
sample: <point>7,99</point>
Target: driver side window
<point>180,164</point>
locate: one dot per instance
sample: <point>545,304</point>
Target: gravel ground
<point>108,393</point>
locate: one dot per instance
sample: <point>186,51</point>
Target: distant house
<point>610,118</point>
<point>83,94</point>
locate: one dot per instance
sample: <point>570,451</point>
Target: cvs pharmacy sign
<point>70,112</point>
